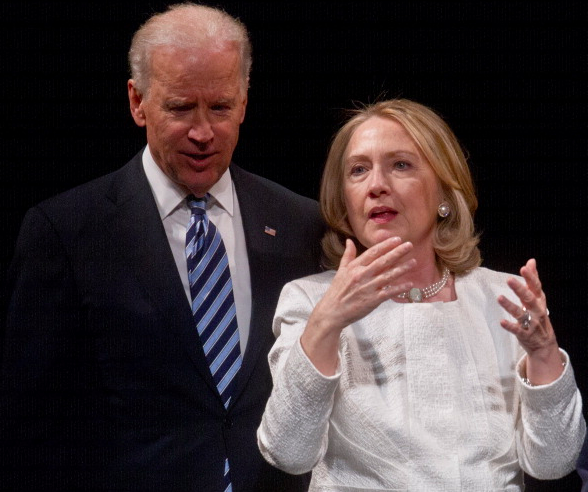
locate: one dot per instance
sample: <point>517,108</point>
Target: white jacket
<point>426,398</point>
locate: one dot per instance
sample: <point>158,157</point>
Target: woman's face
<point>389,187</point>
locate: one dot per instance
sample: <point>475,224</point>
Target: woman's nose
<point>379,183</point>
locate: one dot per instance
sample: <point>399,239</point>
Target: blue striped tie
<point>213,304</point>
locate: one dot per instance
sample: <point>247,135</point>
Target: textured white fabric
<point>426,398</point>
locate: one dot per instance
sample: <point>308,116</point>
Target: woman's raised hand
<point>360,285</point>
<point>532,326</point>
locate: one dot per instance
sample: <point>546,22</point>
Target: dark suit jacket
<point>105,382</point>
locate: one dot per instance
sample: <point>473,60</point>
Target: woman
<point>394,370</point>
<point>582,465</point>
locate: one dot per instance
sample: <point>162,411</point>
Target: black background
<point>508,76</point>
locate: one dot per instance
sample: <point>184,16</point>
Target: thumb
<point>349,254</point>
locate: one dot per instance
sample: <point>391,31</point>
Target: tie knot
<point>197,205</point>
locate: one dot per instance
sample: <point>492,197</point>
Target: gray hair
<point>188,26</point>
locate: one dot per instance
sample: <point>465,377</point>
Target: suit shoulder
<point>265,189</point>
<point>87,195</point>
<point>83,204</point>
<point>487,276</point>
<point>489,281</point>
<point>311,286</point>
<point>76,194</point>
<point>317,281</point>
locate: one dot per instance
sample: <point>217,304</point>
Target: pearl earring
<point>443,209</point>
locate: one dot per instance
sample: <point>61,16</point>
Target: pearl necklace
<point>417,295</point>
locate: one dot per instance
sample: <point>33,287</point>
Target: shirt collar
<point>169,195</point>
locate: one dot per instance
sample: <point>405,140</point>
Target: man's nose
<point>201,128</point>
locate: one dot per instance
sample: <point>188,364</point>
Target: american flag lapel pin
<point>270,231</point>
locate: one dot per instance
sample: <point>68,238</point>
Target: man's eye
<point>180,109</point>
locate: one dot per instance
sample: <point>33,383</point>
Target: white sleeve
<point>551,429</point>
<point>293,434</point>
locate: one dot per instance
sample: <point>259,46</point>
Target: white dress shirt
<point>223,211</point>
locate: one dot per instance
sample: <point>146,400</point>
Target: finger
<point>388,278</point>
<point>382,274</point>
<point>531,275</point>
<point>391,290</point>
<point>532,264</point>
<point>389,260</point>
<point>527,297</point>
<point>521,326</point>
<point>378,250</point>
<point>513,327</point>
<point>349,254</point>
<point>510,307</point>
<point>398,270</point>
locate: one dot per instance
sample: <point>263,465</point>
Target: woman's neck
<point>428,271</point>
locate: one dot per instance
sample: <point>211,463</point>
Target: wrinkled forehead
<point>192,65</point>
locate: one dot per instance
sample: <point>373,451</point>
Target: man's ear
<point>243,108</point>
<point>136,103</point>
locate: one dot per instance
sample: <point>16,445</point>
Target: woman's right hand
<point>360,285</point>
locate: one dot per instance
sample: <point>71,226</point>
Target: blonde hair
<point>187,26</point>
<point>455,242</point>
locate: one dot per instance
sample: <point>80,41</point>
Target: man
<point>108,381</point>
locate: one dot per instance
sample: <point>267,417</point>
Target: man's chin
<point>200,183</point>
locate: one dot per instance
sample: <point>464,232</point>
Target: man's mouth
<point>199,157</point>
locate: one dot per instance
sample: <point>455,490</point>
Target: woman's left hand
<point>533,327</point>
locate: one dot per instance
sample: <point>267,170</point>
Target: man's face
<point>192,112</point>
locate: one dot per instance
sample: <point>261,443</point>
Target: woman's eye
<point>357,170</point>
<point>401,165</point>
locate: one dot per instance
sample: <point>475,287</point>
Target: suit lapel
<point>254,217</point>
<point>140,238</point>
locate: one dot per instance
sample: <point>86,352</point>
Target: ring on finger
<point>525,319</point>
